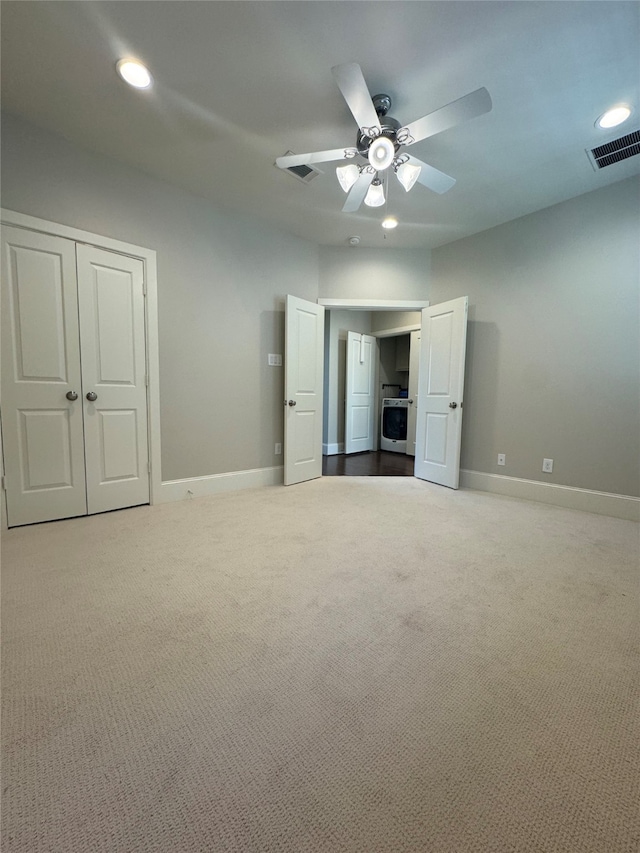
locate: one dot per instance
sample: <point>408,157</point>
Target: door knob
<point>92,396</point>
<point>292,402</point>
<point>453,405</point>
<point>72,395</point>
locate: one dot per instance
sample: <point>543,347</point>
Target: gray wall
<point>360,273</point>
<point>383,320</point>
<point>222,279</point>
<point>553,348</point>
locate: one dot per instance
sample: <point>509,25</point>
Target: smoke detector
<point>354,241</point>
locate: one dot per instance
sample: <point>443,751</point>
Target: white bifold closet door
<point>73,388</point>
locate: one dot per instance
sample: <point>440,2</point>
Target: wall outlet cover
<point>502,459</point>
<point>547,466</point>
<point>274,360</point>
<point>278,448</point>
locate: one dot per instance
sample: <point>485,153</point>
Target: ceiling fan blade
<point>351,83</point>
<point>289,160</point>
<point>357,192</point>
<point>474,104</point>
<point>432,178</point>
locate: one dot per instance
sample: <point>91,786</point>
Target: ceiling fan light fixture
<point>613,117</point>
<point>408,174</point>
<point>381,153</point>
<point>347,176</point>
<point>134,73</point>
<point>389,222</point>
<point>375,194</point>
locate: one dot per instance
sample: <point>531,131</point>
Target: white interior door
<point>111,308</point>
<point>441,383</point>
<point>42,427</point>
<point>413,390</point>
<point>304,365</point>
<point>359,418</point>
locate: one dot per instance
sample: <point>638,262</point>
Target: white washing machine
<point>393,426</point>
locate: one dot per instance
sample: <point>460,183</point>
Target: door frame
<point>378,305</point>
<point>148,258</point>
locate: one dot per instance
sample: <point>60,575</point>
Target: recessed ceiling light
<point>389,222</point>
<point>134,73</point>
<point>614,116</point>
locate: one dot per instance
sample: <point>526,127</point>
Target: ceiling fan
<point>381,141</point>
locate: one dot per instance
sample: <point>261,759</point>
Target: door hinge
<point>146,379</point>
<point>3,483</point>
<point>144,288</point>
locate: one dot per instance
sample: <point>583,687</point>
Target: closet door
<point>41,388</point>
<point>112,335</point>
<point>360,393</point>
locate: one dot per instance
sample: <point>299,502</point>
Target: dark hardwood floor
<point>379,463</point>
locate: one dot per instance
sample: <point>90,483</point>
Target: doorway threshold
<point>371,463</point>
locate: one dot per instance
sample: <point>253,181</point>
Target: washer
<point>393,426</point>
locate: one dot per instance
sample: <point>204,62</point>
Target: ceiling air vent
<point>616,150</point>
<point>302,173</point>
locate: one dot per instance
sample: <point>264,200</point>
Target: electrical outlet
<point>274,359</point>
<point>502,459</point>
<point>547,466</point>
<point>278,448</point>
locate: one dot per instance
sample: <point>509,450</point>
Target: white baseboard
<point>332,449</point>
<point>586,500</point>
<point>602,503</point>
<point>215,484</point>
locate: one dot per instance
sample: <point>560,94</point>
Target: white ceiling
<point>239,83</point>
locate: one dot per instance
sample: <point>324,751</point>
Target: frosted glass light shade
<point>408,174</point>
<point>375,195</point>
<point>347,175</point>
<point>381,153</point>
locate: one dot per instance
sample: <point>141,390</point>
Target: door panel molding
<point>440,392</point>
<point>148,258</point>
<point>303,386</point>
<point>43,427</point>
<point>111,310</point>
<point>360,392</point>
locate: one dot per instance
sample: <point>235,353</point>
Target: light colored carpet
<point>352,664</point>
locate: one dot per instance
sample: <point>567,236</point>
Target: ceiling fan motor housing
<point>381,104</point>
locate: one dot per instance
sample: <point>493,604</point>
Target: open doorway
<point>440,386</point>
<point>375,437</point>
